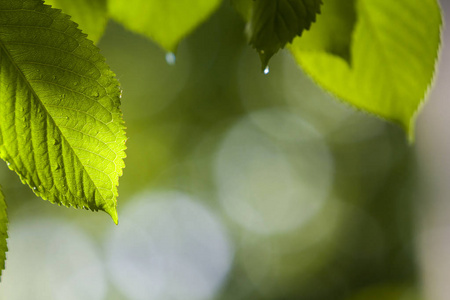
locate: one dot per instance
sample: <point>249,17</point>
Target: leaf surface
<point>3,231</point>
<point>91,15</point>
<point>391,58</point>
<point>61,128</point>
<point>164,21</point>
<point>274,23</point>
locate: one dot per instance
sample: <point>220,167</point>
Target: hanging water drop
<point>34,188</point>
<point>266,70</point>
<point>170,58</point>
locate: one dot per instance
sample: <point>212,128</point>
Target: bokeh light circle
<point>168,246</point>
<point>273,171</point>
<point>52,260</point>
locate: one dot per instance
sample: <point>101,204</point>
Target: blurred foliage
<point>212,113</point>
<point>166,22</point>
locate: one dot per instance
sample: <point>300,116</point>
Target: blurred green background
<point>238,185</point>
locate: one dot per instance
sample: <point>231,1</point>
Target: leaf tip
<point>112,212</point>
<point>410,131</point>
<point>408,127</point>
<point>264,57</point>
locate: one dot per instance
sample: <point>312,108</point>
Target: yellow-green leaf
<point>61,128</point>
<point>391,56</point>
<point>164,21</point>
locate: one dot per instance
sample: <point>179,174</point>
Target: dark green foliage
<point>274,23</point>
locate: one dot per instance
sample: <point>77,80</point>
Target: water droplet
<point>75,83</point>
<point>34,188</point>
<point>121,92</point>
<point>170,58</point>
<point>262,51</point>
<point>266,70</point>
<point>95,94</point>
<point>8,163</point>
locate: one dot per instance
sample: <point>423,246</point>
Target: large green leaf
<point>3,231</point>
<point>391,59</point>
<point>274,23</point>
<point>164,21</point>
<point>61,128</point>
<point>91,15</point>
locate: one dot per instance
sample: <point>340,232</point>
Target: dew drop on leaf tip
<point>266,70</point>
<point>170,58</point>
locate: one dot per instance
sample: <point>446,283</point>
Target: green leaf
<point>3,231</point>
<point>61,128</point>
<point>274,23</point>
<point>391,60</point>
<point>164,21</point>
<point>91,15</point>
